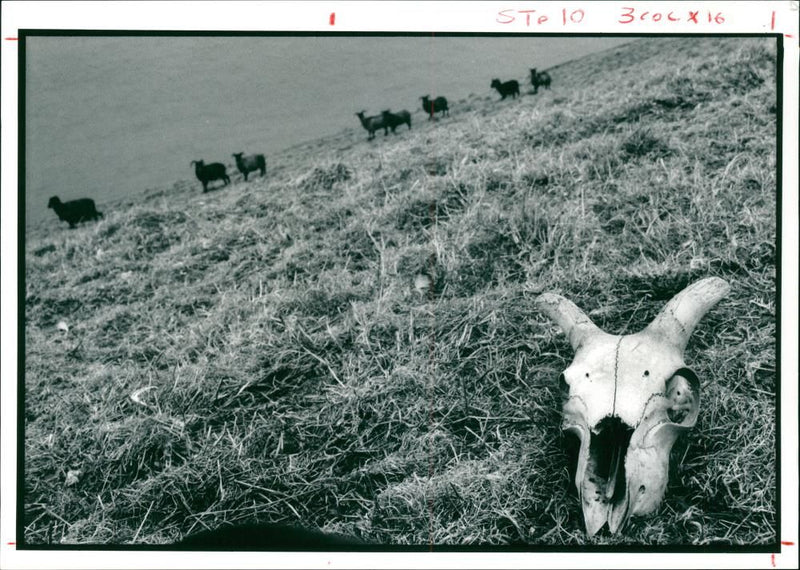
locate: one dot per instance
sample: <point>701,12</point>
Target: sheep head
<point>630,397</point>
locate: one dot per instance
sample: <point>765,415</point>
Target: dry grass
<point>287,370</point>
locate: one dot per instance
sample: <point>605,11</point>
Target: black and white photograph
<point>400,291</point>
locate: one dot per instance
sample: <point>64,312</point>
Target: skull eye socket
<point>682,394</point>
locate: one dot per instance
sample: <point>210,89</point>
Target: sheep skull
<point>630,397</point>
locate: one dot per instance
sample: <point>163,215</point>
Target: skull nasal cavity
<point>611,436</point>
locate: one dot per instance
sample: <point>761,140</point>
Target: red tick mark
<point>11,543</point>
<point>12,39</point>
<point>773,561</point>
<point>787,543</point>
<point>332,19</point>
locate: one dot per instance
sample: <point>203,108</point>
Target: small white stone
<point>73,477</point>
<point>422,283</point>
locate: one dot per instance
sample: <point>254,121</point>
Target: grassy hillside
<point>261,352</point>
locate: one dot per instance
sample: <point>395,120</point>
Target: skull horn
<point>566,314</point>
<point>677,320</point>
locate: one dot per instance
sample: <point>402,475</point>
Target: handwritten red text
<point>630,15</point>
<point>537,18</point>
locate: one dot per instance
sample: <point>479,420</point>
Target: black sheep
<point>507,88</point>
<point>247,164</point>
<point>538,79</point>
<point>372,124</point>
<point>394,120</point>
<point>74,211</point>
<point>437,105</point>
<point>208,172</point>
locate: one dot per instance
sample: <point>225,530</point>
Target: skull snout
<point>604,484</point>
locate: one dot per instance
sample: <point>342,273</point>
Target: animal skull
<point>630,397</point>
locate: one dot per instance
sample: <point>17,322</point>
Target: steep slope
<point>269,352</point>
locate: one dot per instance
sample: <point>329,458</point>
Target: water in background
<point>109,117</point>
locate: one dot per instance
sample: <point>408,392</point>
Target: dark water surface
<point>109,117</point>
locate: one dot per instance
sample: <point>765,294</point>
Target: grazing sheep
<point>437,105</point>
<point>507,88</point>
<point>393,120</point>
<point>208,172</point>
<point>538,79</point>
<point>372,124</point>
<point>247,164</point>
<point>74,211</point>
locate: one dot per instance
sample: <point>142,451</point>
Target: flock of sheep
<point>84,209</point>
<point>388,120</point>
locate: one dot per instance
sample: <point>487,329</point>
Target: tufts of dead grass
<point>262,353</point>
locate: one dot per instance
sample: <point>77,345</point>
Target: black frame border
<point>23,34</point>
